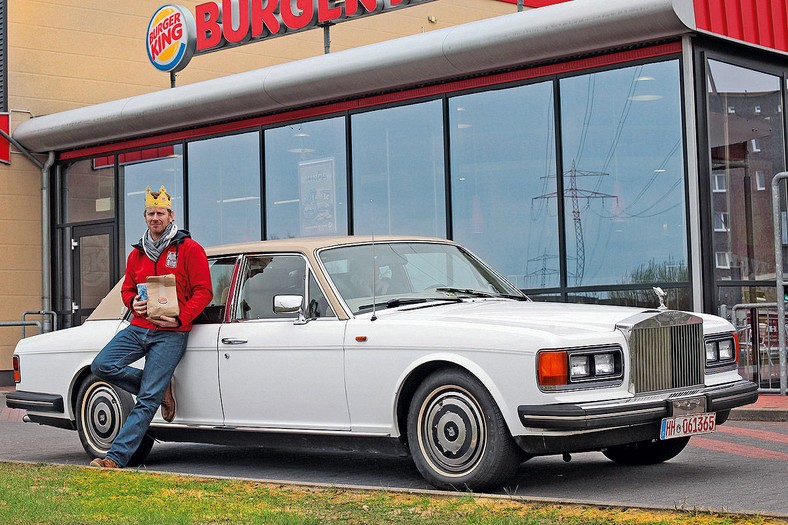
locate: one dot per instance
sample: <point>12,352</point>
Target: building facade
<point>60,55</point>
<point>588,150</point>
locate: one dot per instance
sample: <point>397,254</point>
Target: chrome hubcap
<point>102,416</point>
<point>452,431</point>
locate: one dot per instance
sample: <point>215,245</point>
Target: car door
<point>196,378</point>
<point>280,370</point>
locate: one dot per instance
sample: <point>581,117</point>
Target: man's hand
<point>165,322</point>
<point>140,306</point>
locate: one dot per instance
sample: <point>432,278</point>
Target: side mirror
<point>287,304</point>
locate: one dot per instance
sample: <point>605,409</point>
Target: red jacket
<point>192,279</point>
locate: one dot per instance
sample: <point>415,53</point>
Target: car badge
<point>661,294</point>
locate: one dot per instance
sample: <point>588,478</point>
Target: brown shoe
<point>104,463</point>
<point>168,403</point>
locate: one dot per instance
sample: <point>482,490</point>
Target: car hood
<point>558,318</point>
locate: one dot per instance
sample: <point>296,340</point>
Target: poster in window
<point>317,191</point>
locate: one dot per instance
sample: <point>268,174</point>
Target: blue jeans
<point>162,350</point>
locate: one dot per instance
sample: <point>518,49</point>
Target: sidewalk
<point>769,407</point>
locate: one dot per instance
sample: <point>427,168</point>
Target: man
<point>163,249</point>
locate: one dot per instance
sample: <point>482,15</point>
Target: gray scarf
<point>153,249</point>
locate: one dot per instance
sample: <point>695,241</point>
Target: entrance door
<point>93,263</point>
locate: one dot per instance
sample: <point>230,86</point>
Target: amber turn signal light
<point>553,368</point>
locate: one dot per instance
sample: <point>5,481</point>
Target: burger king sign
<point>171,38</point>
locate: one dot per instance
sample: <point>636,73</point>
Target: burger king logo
<point>171,38</point>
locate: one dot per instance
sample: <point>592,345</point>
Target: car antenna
<point>374,281</point>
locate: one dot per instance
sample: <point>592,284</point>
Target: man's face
<point>157,219</point>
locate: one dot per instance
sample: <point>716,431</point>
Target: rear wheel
<point>457,435</point>
<point>101,411</point>
<point>646,452</point>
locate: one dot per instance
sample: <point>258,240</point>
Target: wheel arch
<point>73,388</point>
<point>413,377</point>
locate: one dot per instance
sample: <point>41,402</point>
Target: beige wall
<point>64,54</point>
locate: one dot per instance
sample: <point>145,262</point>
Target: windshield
<point>393,274</point>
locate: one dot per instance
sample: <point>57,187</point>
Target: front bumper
<point>34,401</point>
<point>591,426</point>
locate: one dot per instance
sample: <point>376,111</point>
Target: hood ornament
<point>661,294</point>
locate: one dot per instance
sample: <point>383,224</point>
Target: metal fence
<point>759,360</point>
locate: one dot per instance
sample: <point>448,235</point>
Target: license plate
<point>683,426</point>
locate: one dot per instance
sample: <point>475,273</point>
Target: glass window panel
<point>503,181</point>
<point>94,269</point>
<point>153,167</point>
<point>264,278</point>
<point>398,171</point>
<point>306,179</point>
<point>747,149</point>
<point>89,191</point>
<point>677,298</point>
<point>224,189</point>
<point>318,305</point>
<point>623,175</point>
<point>221,276</point>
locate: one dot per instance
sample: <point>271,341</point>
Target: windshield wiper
<point>481,293</point>
<point>467,291</point>
<point>393,303</point>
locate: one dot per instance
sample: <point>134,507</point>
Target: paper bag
<point>162,296</point>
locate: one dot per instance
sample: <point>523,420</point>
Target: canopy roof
<point>504,42</point>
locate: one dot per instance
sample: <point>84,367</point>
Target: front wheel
<point>457,435</point>
<point>646,452</point>
<point>101,411</point>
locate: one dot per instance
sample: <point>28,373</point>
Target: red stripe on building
<point>669,48</point>
<point>760,22</point>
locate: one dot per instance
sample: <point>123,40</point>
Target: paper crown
<point>157,199</point>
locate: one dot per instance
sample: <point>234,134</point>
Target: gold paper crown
<point>158,199</point>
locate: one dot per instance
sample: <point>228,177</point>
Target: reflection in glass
<point>677,298</point>
<point>154,167</point>
<point>503,181</point>
<point>305,179</point>
<point>746,139</point>
<point>398,171</point>
<point>387,275</point>
<point>94,270</point>
<point>89,191</point>
<point>224,189</point>
<point>623,159</point>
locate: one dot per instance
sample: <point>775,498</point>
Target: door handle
<point>234,341</point>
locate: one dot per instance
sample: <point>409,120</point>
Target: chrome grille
<point>666,351</point>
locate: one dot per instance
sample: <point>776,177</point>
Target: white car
<point>406,340</point>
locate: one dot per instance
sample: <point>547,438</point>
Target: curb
<point>759,414</point>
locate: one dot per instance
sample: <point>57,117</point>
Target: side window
<point>318,304</point>
<point>265,277</point>
<point>221,275</point>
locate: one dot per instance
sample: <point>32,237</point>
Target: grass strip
<point>50,494</point>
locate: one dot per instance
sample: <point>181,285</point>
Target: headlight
<point>711,351</point>
<point>604,364</point>
<point>722,351</point>
<point>579,368</point>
